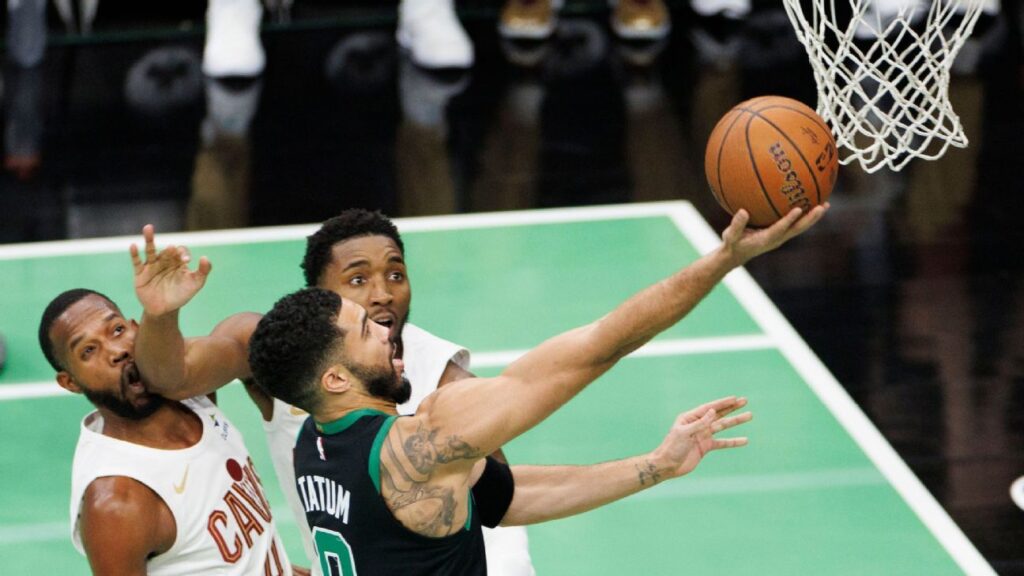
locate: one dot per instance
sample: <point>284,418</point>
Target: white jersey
<point>223,520</point>
<point>426,357</point>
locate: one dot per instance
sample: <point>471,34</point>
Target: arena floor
<point>818,486</point>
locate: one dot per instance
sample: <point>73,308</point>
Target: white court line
<point>23,390</point>
<point>299,232</point>
<point>835,397</point>
<point>675,347</point>
<point>501,358</point>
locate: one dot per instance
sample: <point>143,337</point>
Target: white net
<point>882,69</point>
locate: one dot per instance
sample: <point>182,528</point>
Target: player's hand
<point>300,571</point>
<point>693,435</point>
<point>163,282</point>
<point>742,243</point>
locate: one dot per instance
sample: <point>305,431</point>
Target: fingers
<point>722,406</point>
<point>183,254</point>
<point>697,420</point>
<point>726,423</point>
<point>149,234</point>
<point>735,230</point>
<point>726,405</point>
<point>729,443</point>
<point>787,221</point>
<point>204,267</point>
<point>801,225</point>
<point>136,261</point>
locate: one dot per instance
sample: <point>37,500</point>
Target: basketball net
<point>882,70</point>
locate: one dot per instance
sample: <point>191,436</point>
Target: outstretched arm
<point>172,365</point>
<point>545,493</point>
<point>479,415</point>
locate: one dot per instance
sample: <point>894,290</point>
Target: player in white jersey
<point>159,487</point>
<point>223,504</point>
<point>359,255</point>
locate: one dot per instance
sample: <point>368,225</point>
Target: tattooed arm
<point>545,493</point>
<point>425,478</point>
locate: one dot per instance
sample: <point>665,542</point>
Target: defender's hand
<point>164,283</point>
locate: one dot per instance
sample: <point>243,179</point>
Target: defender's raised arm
<point>173,366</point>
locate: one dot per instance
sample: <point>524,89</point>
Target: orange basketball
<point>769,155</point>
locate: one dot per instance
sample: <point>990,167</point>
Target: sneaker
<point>641,19</point>
<point>431,33</point>
<point>233,39</point>
<point>529,19</point>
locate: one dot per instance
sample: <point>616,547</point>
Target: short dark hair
<point>351,223</point>
<point>53,310</point>
<point>292,344</point>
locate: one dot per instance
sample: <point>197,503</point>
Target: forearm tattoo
<point>648,473</point>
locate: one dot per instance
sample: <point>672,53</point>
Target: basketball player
<point>159,487</point>
<point>406,480</point>
<point>360,255</point>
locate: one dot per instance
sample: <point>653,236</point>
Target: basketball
<point>769,155</point>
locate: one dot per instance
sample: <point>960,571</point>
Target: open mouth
<point>131,379</point>
<point>387,320</point>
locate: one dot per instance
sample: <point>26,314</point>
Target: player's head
<point>359,255</point>
<point>313,344</point>
<point>91,345</point>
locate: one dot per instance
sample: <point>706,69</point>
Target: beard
<point>118,403</point>
<point>382,382</point>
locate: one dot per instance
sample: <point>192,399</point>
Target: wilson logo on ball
<point>769,155</point>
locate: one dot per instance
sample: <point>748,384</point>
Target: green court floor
<point>817,491</point>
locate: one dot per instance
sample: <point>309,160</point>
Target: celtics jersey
<point>337,470</point>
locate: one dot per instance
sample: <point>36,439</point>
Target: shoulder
<point>418,343</point>
<point>112,504</point>
<point>119,497</point>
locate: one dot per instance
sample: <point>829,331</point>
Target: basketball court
<point>818,490</point>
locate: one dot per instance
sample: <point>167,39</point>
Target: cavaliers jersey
<point>337,469</point>
<point>224,525</point>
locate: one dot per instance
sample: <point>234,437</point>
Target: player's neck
<point>341,407</point>
<point>172,427</point>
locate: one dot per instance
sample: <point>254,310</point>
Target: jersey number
<point>334,552</point>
